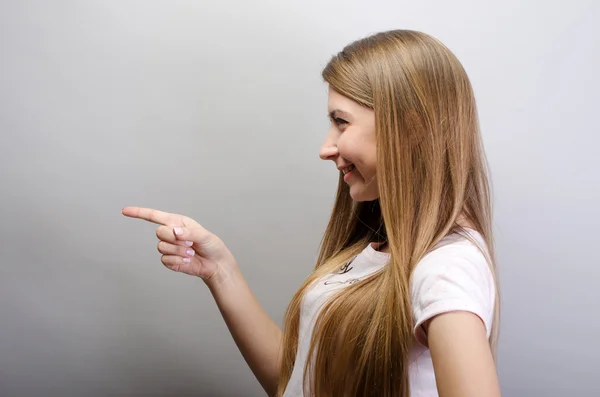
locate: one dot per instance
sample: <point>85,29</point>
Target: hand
<point>186,246</point>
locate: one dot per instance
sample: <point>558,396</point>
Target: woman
<point>403,299</point>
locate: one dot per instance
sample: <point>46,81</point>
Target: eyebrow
<point>340,113</point>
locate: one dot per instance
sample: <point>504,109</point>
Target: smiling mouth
<point>347,169</point>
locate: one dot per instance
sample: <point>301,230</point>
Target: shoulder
<point>455,256</point>
<point>454,276</point>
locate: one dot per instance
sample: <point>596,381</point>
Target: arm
<point>189,248</point>
<point>461,355</point>
<point>253,331</point>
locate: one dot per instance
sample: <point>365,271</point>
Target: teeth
<point>348,169</point>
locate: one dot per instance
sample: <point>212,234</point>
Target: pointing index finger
<point>149,214</point>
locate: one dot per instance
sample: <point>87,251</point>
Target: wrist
<point>223,279</point>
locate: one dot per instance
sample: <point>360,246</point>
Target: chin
<point>360,195</point>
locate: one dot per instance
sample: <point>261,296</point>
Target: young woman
<point>403,299</point>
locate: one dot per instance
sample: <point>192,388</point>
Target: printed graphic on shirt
<point>346,268</point>
<point>349,281</point>
<point>343,270</point>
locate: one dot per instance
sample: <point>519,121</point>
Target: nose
<point>329,150</point>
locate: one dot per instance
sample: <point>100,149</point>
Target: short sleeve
<point>452,278</point>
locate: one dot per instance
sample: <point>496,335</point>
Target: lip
<point>346,165</point>
<point>348,175</point>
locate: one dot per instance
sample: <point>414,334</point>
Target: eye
<point>339,122</point>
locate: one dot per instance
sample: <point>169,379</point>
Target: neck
<point>385,247</point>
<point>381,247</point>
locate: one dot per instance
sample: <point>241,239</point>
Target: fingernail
<point>189,243</point>
<point>186,260</point>
<point>190,252</point>
<point>178,231</point>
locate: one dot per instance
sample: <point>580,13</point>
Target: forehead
<point>335,100</point>
<point>343,104</point>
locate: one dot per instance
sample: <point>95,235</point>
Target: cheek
<point>360,150</point>
<point>354,150</point>
<point>371,159</point>
<point>368,159</point>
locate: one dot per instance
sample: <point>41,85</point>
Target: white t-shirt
<point>453,276</point>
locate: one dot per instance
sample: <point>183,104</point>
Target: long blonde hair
<point>431,170</point>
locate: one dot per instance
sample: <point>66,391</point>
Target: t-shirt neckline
<point>378,256</point>
<point>384,257</point>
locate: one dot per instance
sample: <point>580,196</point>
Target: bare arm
<point>462,358</point>
<point>189,248</point>
<point>255,334</point>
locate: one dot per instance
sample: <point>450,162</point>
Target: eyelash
<point>339,122</point>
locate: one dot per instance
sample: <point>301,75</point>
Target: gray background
<point>217,110</point>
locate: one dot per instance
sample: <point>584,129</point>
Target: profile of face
<point>351,145</point>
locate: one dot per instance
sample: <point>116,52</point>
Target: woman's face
<point>350,144</point>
